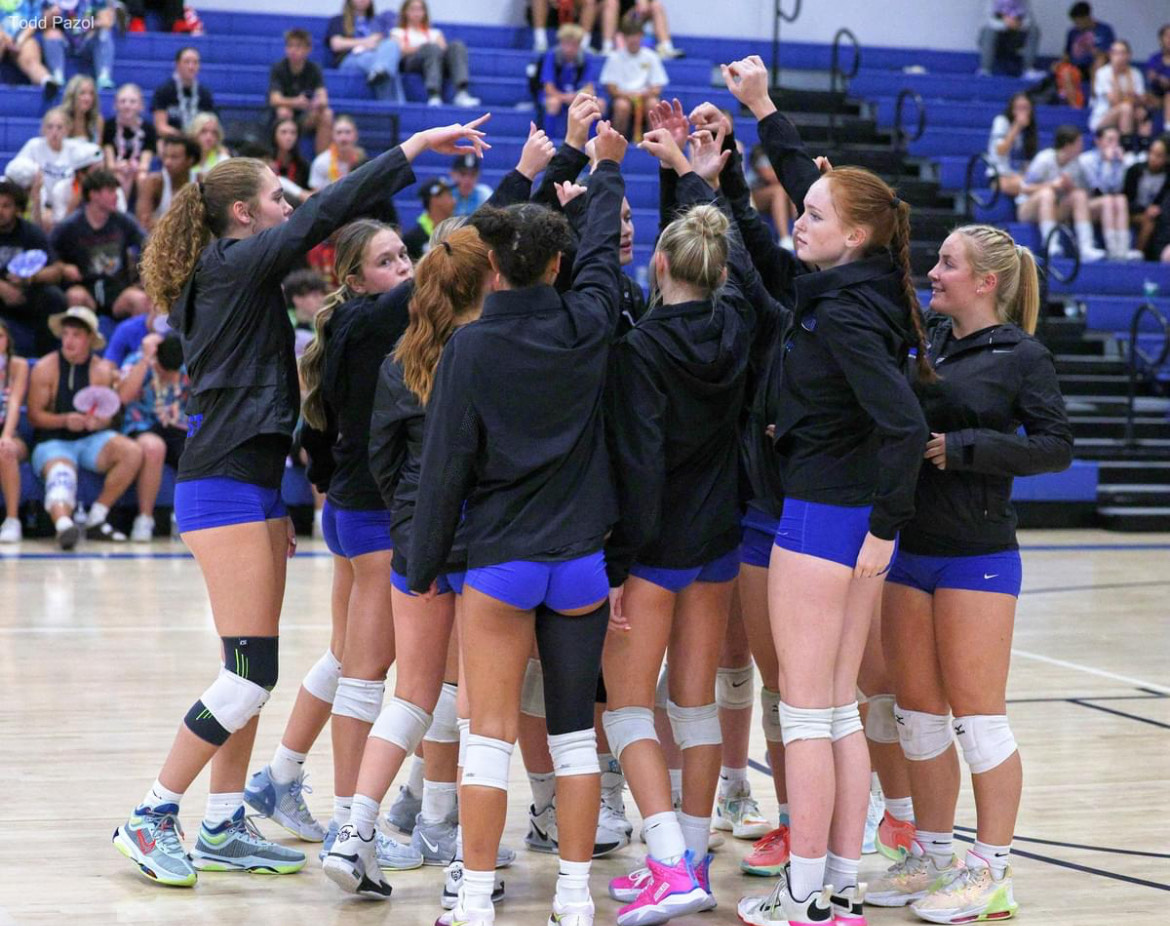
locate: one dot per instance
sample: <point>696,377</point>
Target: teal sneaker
<point>151,840</point>
<point>236,845</point>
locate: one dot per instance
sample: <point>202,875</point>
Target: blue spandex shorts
<point>759,533</point>
<point>723,569</point>
<point>563,586</point>
<point>353,532</point>
<point>451,582</point>
<point>218,502</point>
<point>831,532</point>
<point>993,572</point>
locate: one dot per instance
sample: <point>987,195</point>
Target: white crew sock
<point>341,808</point>
<point>286,764</point>
<point>222,807</point>
<point>664,837</point>
<point>459,842</point>
<point>875,783</point>
<point>476,895</point>
<point>159,795</point>
<point>1085,236</point>
<point>900,808</point>
<point>1045,231</point>
<point>985,855</point>
<point>544,789</point>
<point>63,523</point>
<point>841,872</point>
<point>573,882</point>
<point>805,876</point>
<point>939,846</point>
<point>415,781</point>
<point>696,833</point>
<point>675,785</point>
<point>364,815</point>
<point>438,800</point>
<point>97,514</point>
<point>733,781</point>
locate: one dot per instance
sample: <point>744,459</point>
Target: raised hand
<point>670,116</point>
<point>747,79</point>
<point>707,117</point>
<point>610,145</point>
<point>568,191</point>
<point>536,154</point>
<point>583,112</point>
<point>707,155</point>
<point>445,139</point>
<point>660,144</point>
<point>824,165</point>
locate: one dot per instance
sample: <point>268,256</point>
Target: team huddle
<point>566,516</point>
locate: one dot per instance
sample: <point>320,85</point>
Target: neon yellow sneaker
<point>974,896</point>
<point>909,880</point>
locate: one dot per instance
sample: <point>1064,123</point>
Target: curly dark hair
<point>524,238</point>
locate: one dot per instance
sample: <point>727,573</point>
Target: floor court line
<point>1100,673</point>
<point>1076,845</point>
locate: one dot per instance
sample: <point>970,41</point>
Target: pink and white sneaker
<point>703,876</point>
<point>848,906</point>
<point>672,891</point>
<point>627,888</point>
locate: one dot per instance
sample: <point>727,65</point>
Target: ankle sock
<point>341,808</point>
<point>664,837</point>
<point>841,872</point>
<point>364,815</point>
<point>438,800</point>
<point>805,876</point>
<point>573,882</point>
<point>544,789</point>
<point>286,764</point>
<point>939,846</point>
<point>415,781</point>
<point>159,795</point>
<point>901,808</point>
<point>476,895</point>
<point>985,855</point>
<point>733,781</point>
<point>222,807</point>
<point>696,834</point>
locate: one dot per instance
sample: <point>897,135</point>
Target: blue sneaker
<point>404,811</point>
<point>151,840</point>
<point>284,804</point>
<point>391,854</point>
<point>236,845</point>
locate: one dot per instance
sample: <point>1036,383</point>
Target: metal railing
<point>837,76</point>
<point>901,139</point>
<point>779,17</point>
<point>1138,354</point>
<point>1049,271</point>
<point>972,195</point>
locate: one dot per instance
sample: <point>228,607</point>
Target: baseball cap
<point>466,161</point>
<point>433,188</point>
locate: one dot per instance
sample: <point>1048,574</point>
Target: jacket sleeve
<point>566,164</point>
<point>1047,443</point>
<point>387,440</point>
<point>318,447</point>
<point>794,167</point>
<point>598,264</point>
<point>514,188</point>
<point>635,421</point>
<point>669,206</point>
<point>882,389</point>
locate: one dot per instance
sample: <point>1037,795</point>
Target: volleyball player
<point>950,599</point>
<point>216,259</point>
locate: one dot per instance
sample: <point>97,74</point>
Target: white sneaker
<point>460,917</point>
<point>143,529</point>
<point>539,41</point>
<point>1035,74</point>
<point>434,100</point>
<point>613,807</point>
<point>737,812</point>
<point>352,864</point>
<point>10,531</point>
<point>571,914</point>
<point>453,880</point>
<point>873,819</point>
<point>1091,255</point>
<point>465,99</point>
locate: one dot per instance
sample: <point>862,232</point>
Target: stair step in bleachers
<point>1115,313</point>
<point>871,83</point>
<point>972,113</point>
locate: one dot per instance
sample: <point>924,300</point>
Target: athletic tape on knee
<point>627,725</point>
<point>770,715</point>
<point>532,692</point>
<point>846,721</point>
<point>735,688</point>
<point>360,699</point>
<point>574,753</point>
<point>321,680</point>
<point>695,726</point>
<point>880,726</point>
<point>923,736</point>
<point>662,691</point>
<point>986,740</point>
<point>61,486</point>
<point>464,724</point>
<point>401,723</point>
<point>233,700</point>
<point>487,762</point>
<point>444,724</point>
<point>805,723</point>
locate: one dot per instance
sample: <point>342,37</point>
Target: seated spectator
<point>154,390</point>
<point>208,134</point>
<point>1010,22</point>
<point>81,29</point>
<point>286,161</point>
<point>642,11</point>
<point>99,248</point>
<point>566,71</point>
<point>1013,143</point>
<point>19,45</point>
<point>128,140</point>
<point>340,157</point>
<point>580,12</point>
<point>1049,192</point>
<point>87,158</point>
<point>1101,173</point>
<point>130,332</point>
<point>26,303</point>
<point>177,102</point>
<point>67,439</point>
<point>80,102</point>
<point>52,152</point>
<point>1158,77</point>
<point>1086,46</point>
<point>360,40</point>
<point>425,51</point>
<point>180,156</point>
<point>296,90</point>
<point>13,452</point>
<point>306,291</point>
<point>175,17</point>
<point>768,195</point>
<point>469,193</point>
<point>633,77</point>
<point>1147,192</point>
<point>1118,90</point>
<point>438,204</point>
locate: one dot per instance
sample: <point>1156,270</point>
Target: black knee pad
<point>253,658</point>
<point>202,723</point>
<point>570,654</point>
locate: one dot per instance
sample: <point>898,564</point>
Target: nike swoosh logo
<point>536,829</point>
<point>433,847</point>
<point>994,575</point>
<point>738,684</point>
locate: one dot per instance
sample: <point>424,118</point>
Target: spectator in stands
<point>1101,173</point>
<point>1010,21</point>
<point>177,102</point>
<point>768,195</point>
<point>296,90</point>
<point>67,439</point>
<point>1086,46</point>
<point>642,11</point>
<point>340,157</point>
<point>13,452</point>
<point>154,390</point>
<point>426,51</point>
<point>80,102</point>
<point>1118,90</point>
<point>180,156</point>
<point>99,247</point>
<point>287,162</point>
<point>583,13</point>
<point>81,29</point>
<point>19,45</point>
<point>129,141</point>
<point>469,193</point>
<point>129,334</point>
<point>633,77</point>
<point>1013,142</point>
<point>1158,77</point>
<point>208,134</point>
<point>360,40</point>
<point>566,71</point>
<point>1049,192</point>
<point>52,152</point>
<point>305,291</point>
<point>1146,191</point>
<point>26,302</point>
<point>438,204</point>
<point>87,158</point>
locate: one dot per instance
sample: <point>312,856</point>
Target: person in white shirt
<point>1013,143</point>
<point>633,77</point>
<point>425,51</point>
<point>53,154</point>
<point>1118,89</point>
<point>339,158</point>
<point>1050,194</point>
<point>1101,174</point>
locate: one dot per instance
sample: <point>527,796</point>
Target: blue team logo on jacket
<point>809,323</point>
<point>194,423</point>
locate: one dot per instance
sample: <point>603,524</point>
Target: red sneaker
<point>137,24</point>
<point>894,837</point>
<point>769,855</point>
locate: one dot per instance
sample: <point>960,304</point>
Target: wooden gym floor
<point>102,652</point>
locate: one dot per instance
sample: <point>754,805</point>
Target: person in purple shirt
<point>1088,41</point>
<point>1158,76</point>
<point>1010,21</point>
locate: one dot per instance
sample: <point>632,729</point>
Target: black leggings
<point>570,656</point>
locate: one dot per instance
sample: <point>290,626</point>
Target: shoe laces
<point>297,789</point>
<point>748,806</point>
<point>246,829</point>
<point>963,879</point>
<point>167,830</point>
<point>771,839</point>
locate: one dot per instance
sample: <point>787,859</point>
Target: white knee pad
<point>359,698</point>
<point>321,680</point>
<point>846,721</point>
<point>574,753</point>
<point>735,688</point>
<point>770,715</point>
<point>986,740</point>
<point>532,693</point>
<point>862,697</point>
<point>627,725</point>
<point>444,724</point>
<point>401,723</point>
<point>880,726</point>
<point>61,486</point>
<point>662,692</point>
<point>487,762</point>
<point>233,700</point>
<point>464,724</point>
<point>695,726</point>
<point>923,736</point>
<point>805,723</point>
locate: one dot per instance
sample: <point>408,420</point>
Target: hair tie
<point>446,246</point>
<point>895,202</point>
